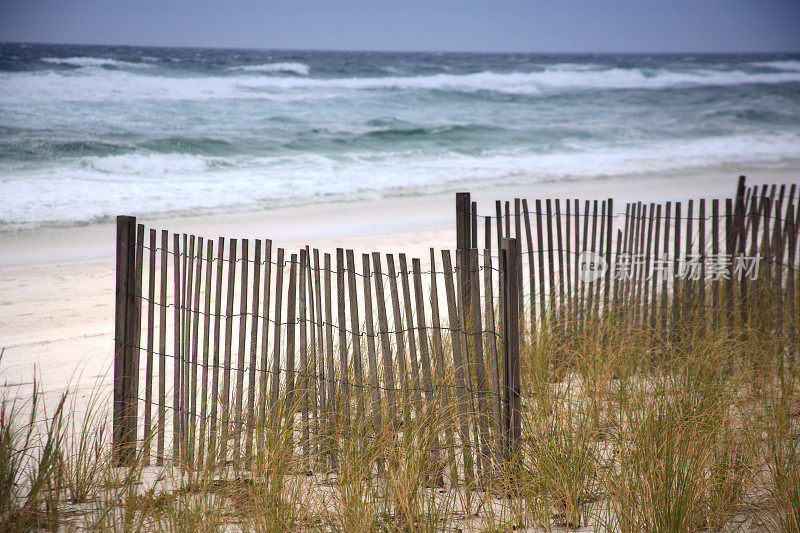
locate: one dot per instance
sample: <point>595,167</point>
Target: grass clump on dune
<point>624,429</point>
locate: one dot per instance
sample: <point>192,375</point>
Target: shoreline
<point>57,284</point>
<point>320,224</point>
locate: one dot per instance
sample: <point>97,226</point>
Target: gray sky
<point>446,25</point>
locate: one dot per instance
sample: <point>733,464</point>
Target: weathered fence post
<point>740,241</point>
<point>124,408</point>
<point>463,242</point>
<point>511,423</point>
<point>463,221</point>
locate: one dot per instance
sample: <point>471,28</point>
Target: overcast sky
<point>466,25</point>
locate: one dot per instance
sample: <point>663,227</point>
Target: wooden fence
<point>664,267</point>
<point>237,341</point>
<point>253,338</point>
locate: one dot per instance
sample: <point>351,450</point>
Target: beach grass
<point>623,429</point>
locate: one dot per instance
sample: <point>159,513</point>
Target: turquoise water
<point>88,132</point>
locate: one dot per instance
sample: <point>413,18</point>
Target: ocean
<point>89,132</point>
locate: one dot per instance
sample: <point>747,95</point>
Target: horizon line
<point>402,51</point>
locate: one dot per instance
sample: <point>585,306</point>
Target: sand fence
<point>220,342</point>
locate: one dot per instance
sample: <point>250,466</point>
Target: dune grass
<point>624,429</point>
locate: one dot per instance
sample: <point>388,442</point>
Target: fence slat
<point>609,233</point>
<point>484,410</point>
<point>508,218</point>
<point>331,372</point>
<point>213,450</point>
<point>240,362</point>
<point>701,250</point>
<point>371,352</point>
<point>766,252</point>
<point>657,264</point>
<point>432,441</point>
<point>206,349</point>
<point>312,363</point>
<point>176,370</point>
<point>491,342</point>
<point>124,431</point>
<point>440,369</point>
<point>729,252</point>
<point>400,345</point>
<point>540,256</point>
<point>578,293</point>
<point>302,315</point>
<point>162,349</point>
<point>584,286</point>
<point>715,252</point>
<point>550,262</point>
<point>386,348</point>
<point>462,400</point>
<point>487,233</point>
<point>518,237</point>
<point>758,210</point>
<point>412,343</point>
<point>791,228</point>
<point>499,221</point>
<point>598,282</point>
<point>251,384</point>
<point>323,376</point>
<point>474,219</point>
<point>614,266</point>
<point>646,273</point>
<point>344,369</point>
<point>637,233</point>
<point>192,411</point>
<point>777,280</point>
<point>688,284</point>
<point>226,367</point>
<point>531,270</point>
<point>148,384</point>
<point>665,272</point>
<point>676,285</point>
<point>561,266</point>
<point>355,335</point>
<point>291,322</point>
<point>135,347</point>
<point>264,370</point>
<point>594,284</point>
<point>511,378</point>
<point>276,350</point>
<point>623,263</point>
<point>188,280</point>
<point>570,258</point>
<point>464,312</point>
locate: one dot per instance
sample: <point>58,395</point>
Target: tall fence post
<point>740,242</point>
<point>511,425</point>
<point>124,409</point>
<point>463,221</point>
<point>463,243</point>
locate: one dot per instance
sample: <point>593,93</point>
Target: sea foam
<point>92,62</point>
<point>125,85</point>
<point>779,65</point>
<point>98,188</point>
<point>293,68</point>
